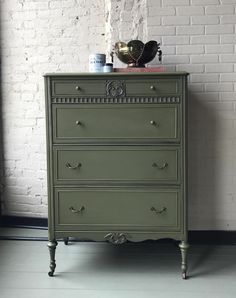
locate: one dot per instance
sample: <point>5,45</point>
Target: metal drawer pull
<point>69,166</point>
<point>154,123</point>
<point>77,122</point>
<point>155,165</point>
<point>158,211</point>
<point>73,210</point>
<point>152,87</point>
<point>77,88</point>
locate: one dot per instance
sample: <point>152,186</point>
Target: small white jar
<point>108,67</point>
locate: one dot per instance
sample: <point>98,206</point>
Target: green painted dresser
<point>116,147</point>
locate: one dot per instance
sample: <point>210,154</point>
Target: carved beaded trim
<point>116,100</point>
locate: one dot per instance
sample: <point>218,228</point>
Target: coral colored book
<point>140,69</point>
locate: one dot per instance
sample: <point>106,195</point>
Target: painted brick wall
<point>38,37</point>
<point>196,35</point>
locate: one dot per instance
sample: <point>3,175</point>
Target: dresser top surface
<point>116,74</point>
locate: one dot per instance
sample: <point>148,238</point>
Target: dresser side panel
<point>49,133</point>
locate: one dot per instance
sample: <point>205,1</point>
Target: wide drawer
<point>80,123</point>
<point>116,164</point>
<point>97,209</point>
<point>116,87</point>
<point>78,87</point>
<point>153,87</point>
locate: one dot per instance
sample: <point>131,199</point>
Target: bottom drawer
<point>131,209</point>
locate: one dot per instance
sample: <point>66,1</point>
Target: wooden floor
<point>101,270</point>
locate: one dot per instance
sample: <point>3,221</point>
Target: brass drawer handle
<point>69,166</point>
<point>73,210</point>
<point>77,88</point>
<point>158,211</point>
<point>155,165</point>
<point>152,122</point>
<point>152,87</point>
<point>77,122</point>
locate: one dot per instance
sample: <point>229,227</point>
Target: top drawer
<point>115,86</point>
<point>78,87</point>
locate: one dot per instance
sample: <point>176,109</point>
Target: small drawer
<point>78,87</point>
<point>147,164</point>
<point>117,208</point>
<point>153,87</point>
<point>79,124</point>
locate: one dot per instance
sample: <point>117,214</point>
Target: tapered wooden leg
<point>52,250</point>
<point>183,248</point>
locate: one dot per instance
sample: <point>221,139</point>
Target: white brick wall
<point>38,37</point>
<point>203,33</point>
<point>198,36</point>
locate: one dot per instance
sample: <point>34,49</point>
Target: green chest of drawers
<point>116,147</point>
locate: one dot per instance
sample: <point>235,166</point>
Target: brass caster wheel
<point>184,275</point>
<point>50,273</point>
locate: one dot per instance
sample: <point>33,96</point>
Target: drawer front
<point>153,87</point>
<point>78,87</point>
<point>144,164</point>
<point>117,208</point>
<point>73,124</point>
